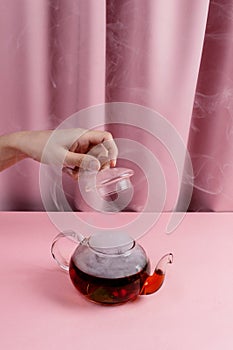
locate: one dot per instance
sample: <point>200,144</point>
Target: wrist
<point>10,153</point>
<point>15,143</point>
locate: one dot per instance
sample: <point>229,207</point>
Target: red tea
<point>153,283</point>
<point>108,290</point>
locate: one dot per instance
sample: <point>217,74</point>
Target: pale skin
<point>92,150</point>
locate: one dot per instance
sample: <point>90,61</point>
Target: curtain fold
<point>60,56</point>
<point>153,58</point>
<point>24,96</point>
<point>52,65</point>
<point>211,131</point>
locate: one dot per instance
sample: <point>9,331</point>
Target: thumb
<point>83,161</point>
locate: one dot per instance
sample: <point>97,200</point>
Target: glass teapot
<point>109,267</point>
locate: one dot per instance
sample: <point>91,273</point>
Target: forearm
<point>72,148</point>
<point>9,150</point>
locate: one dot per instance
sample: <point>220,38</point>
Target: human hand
<point>70,148</point>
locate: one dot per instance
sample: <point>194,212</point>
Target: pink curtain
<point>52,59</point>
<point>60,56</point>
<point>211,129</point>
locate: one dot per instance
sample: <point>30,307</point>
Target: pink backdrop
<point>211,130</point>
<point>58,57</point>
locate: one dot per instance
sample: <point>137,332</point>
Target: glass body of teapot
<point>110,268</point>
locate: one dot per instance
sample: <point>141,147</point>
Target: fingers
<point>83,161</point>
<point>93,151</point>
<point>71,172</point>
<point>111,146</point>
<point>101,153</point>
<point>105,138</point>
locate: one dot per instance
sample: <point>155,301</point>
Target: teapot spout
<point>155,281</point>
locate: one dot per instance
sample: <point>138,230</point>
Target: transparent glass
<point>108,190</point>
<point>113,181</point>
<point>109,270</point>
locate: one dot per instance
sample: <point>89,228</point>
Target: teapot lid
<point>111,181</point>
<point>111,242</point>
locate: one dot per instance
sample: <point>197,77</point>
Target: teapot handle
<point>71,239</point>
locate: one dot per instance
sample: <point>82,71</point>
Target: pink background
<point>58,57</point>
<point>40,308</point>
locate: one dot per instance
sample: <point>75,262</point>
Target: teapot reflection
<point>110,267</point>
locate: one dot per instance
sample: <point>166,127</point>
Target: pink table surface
<point>40,309</point>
